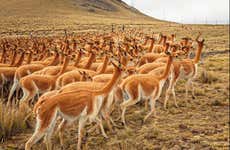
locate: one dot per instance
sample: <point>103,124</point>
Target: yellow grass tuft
<point>12,121</point>
<point>208,77</point>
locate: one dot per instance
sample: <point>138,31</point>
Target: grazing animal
<point>35,84</point>
<point>80,104</point>
<point>184,69</point>
<point>28,69</point>
<point>145,86</point>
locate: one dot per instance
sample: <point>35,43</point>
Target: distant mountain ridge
<point>34,14</point>
<point>19,7</point>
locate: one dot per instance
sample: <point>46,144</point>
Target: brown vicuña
<point>140,86</point>
<point>79,104</point>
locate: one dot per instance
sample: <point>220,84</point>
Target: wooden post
<point>65,31</point>
<point>112,28</point>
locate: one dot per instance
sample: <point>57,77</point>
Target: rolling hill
<point>19,15</point>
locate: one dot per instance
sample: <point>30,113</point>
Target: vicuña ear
<point>84,73</point>
<point>114,64</point>
<point>90,78</point>
<point>83,50</point>
<point>167,53</point>
<point>197,38</point>
<point>125,53</point>
<point>80,72</point>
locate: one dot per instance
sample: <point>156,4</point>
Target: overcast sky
<point>185,11</point>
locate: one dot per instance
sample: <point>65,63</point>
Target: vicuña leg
<point>12,90</point>
<point>82,122</point>
<point>124,105</point>
<point>101,126</point>
<point>153,109</point>
<point>44,126</point>
<point>27,95</point>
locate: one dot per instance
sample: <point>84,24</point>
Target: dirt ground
<point>202,123</point>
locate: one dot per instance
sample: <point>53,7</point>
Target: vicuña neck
<point>166,47</point>
<point>146,41</point>
<point>3,58</point>
<point>79,56</point>
<point>40,57</point>
<point>13,58</point>
<point>55,60</point>
<point>124,60</point>
<point>109,86</point>
<point>127,48</point>
<point>20,61</point>
<point>44,55</point>
<point>198,54</point>
<point>164,41</point>
<point>29,59</point>
<point>90,61</point>
<point>104,65</point>
<point>64,66</point>
<point>167,69</point>
<point>160,40</point>
<point>151,46</point>
<point>74,46</point>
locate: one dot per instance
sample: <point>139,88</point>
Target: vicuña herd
<point>87,76</point>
